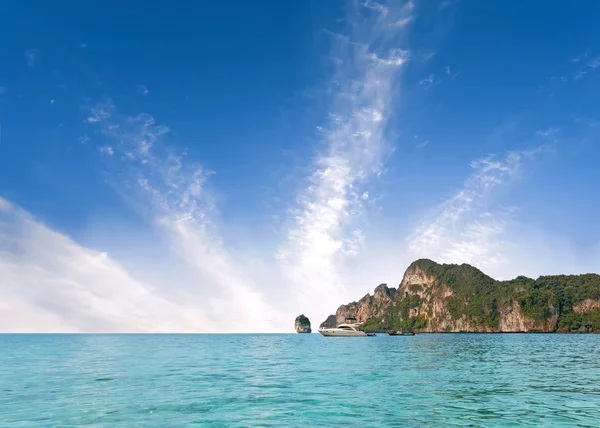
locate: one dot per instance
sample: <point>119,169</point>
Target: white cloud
<point>428,56</point>
<point>579,57</point>
<point>370,4</point>
<point>479,242</point>
<point>99,113</point>
<point>353,244</point>
<point>584,68</point>
<point>50,283</point>
<point>428,81</point>
<point>171,193</point>
<point>142,90</point>
<point>547,133</point>
<point>323,232</point>
<point>31,56</point>
<point>422,144</point>
<point>403,22</point>
<point>5,206</point>
<point>464,231</point>
<point>595,63</point>
<point>396,58</point>
<point>107,150</point>
<point>447,69</point>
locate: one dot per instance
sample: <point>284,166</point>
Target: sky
<point>227,166</point>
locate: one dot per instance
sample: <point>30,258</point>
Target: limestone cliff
<point>302,324</point>
<point>330,322</point>
<point>375,306</point>
<point>453,298</point>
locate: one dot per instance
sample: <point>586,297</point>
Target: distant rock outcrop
<point>436,297</point>
<point>302,324</point>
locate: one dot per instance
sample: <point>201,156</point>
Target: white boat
<point>343,330</point>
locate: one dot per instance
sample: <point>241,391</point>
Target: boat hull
<point>400,333</point>
<point>342,333</point>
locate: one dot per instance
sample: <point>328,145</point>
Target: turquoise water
<point>299,380</point>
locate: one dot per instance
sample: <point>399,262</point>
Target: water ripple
<point>300,380</point>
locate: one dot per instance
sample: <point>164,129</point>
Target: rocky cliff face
<point>302,324</point>
<point>513,320</point>
<point>454,298</point>
<point>330,322</point>
<point>375,306</point>
<point>586,306</point>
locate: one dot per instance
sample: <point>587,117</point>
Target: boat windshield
<point>345,327</point>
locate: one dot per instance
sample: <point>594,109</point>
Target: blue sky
<point>226,166</point>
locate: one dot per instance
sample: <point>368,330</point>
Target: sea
<point>299,380</point>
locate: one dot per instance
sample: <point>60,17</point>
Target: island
<point>436,297</point>
<point>302,324</point>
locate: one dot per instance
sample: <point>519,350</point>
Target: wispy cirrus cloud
<point>428,81</point>
<point>324,231</point>
<point>403,22</point>
<point>422,144</point>
<point>548,133</point>
<point>594,63</point>
<point>584,67</point>
<point>464,230</point>
<point>431,79</point>
<point>50,283</point>
<point>577,69</point>
<point>215,290</point>
<point>107,150</point>
<point>171,193</point>
<point>382,9</point>
<point>100,112</point>
<point>449,72</point>
<point>580,57</point>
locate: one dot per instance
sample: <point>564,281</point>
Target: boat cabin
<point>347,327</point>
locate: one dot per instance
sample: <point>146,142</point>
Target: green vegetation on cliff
<point>549,301</point>
<point>474,294</point>
<point>585,322</point>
